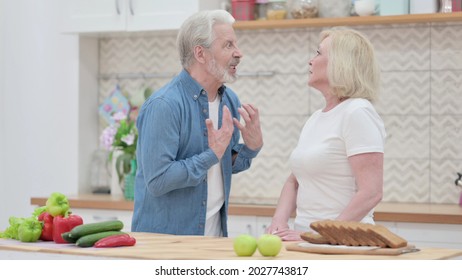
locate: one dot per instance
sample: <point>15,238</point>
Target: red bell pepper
<point>62,224</point>
<point>47,229</point>
<point>115,241</point>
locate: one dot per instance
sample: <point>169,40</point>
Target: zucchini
<point>67,237</point>
<point>90,239</point>
<point>90,228</point>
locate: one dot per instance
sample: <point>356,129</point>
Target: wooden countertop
<point>385,211</point>
<point>153,246</point>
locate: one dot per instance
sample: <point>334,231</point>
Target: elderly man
<point>189,133</point>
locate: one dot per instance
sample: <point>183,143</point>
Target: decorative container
<point>334,8</point>
<point>129,181</point>
<point>394,7</point>
<point>445,6</point>
<point>456,5</point>
<point>423,6</point>
<point>261,6</point>
<point>277,10</point>
<point>243,9</point>
<point>304,9</point>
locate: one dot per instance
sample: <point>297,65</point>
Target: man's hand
<point>219,139</point>
<point>251,131</point>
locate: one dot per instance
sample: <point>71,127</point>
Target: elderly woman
<point>337,166</point>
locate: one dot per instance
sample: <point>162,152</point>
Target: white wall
<point>38,106</point>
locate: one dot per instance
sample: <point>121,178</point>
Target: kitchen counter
<point>153,246</point>
<point>385,211</point>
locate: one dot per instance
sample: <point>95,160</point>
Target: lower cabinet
<point>427,235</point>
<point>253,225</point>
<point>99,215</point>
<point>422,235</point>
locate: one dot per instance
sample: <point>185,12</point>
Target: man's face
<point>224,54</point>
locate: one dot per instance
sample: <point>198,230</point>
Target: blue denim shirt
<point>173,158</point>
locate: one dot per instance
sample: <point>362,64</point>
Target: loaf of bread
<point>353,234</point>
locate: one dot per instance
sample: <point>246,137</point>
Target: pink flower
<point>128,139</point>
<point>117,117</point>
<point>107,137</point>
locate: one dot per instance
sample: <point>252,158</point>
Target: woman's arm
<point>287,204</point>
<point>368,172</point>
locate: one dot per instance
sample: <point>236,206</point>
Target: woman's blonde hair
<point>197,30</point>
<point>352,68</point>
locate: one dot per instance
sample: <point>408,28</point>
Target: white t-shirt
<point>320,160</point>
<point>215,192</point>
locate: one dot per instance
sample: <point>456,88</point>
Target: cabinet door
<point>145,15</point>
<point>85,16</point>
<point>241,225</point>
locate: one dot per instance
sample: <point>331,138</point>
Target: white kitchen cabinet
<point>253,225</point>
<point>89,16</point>
<point>428,234</point>
<point>100,215</point>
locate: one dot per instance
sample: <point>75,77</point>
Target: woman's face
<point>318,66</point>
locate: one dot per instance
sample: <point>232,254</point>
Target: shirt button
<point>195,97</point>
<point>203,92</point>
<point>203,202</point>
<point>204,111</point>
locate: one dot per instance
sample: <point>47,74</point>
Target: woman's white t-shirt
<point>320,160</point>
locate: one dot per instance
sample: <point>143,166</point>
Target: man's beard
<point>221,73</point>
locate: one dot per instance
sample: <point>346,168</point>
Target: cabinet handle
<point>249,229</point>
<point>117,7</point>
<point>131,7</point>
<point>100,218</point>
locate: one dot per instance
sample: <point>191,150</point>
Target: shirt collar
<point>193,88</point>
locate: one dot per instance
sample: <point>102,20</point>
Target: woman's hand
<point>274,227</point>
<point>288,234</point>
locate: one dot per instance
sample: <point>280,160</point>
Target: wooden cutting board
<point>342,249</point>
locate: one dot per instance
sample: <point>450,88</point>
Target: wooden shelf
<point>348,21</point>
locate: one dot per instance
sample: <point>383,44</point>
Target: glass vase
<point>129,181</point>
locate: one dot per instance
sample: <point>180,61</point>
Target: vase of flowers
<point>119,138</point>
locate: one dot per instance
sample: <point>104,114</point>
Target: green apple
<point>245,245</point>
<point>269,245</point>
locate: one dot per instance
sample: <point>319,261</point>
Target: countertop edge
<point>385,211</point>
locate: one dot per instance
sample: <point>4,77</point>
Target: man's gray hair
<point>197,30</point>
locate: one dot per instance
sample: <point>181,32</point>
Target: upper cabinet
<point>89,16</point>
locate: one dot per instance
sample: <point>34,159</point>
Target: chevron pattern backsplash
<point>421,101</point>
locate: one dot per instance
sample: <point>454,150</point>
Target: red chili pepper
<point>115,241</point>
<point>47,229</point>
<point>64,224</point>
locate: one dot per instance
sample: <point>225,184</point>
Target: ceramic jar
<point>334,8</point>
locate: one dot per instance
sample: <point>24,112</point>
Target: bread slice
<point>355,234</point>
<point>322,228</point>
<point>372,240</point>
<point>314,238</point>
<point>389,238</point>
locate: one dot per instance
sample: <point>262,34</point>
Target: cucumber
<point>90,239</point>
<point>90,228</point>
<point>66,236</point>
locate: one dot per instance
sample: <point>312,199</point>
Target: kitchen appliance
<point>458,183</point>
